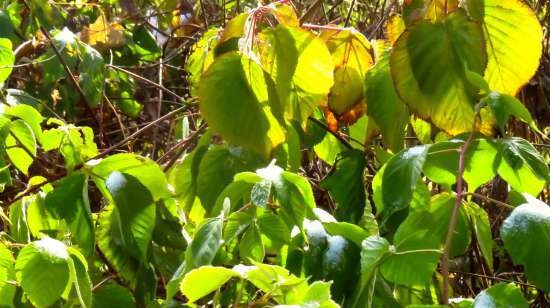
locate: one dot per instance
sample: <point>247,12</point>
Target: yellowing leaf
<point>103,33</point>
<point>513,41</point>
<point>414,10</point>
<point>428,68</point>
<point>351,54</point>
<point>394,27</point>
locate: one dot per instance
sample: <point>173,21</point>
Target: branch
<point>147,81</point>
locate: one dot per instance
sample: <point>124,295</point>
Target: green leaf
<point>69,202</point>
<point>201,57</point>
<point>301,66</point>
<point>42,270</point>
<point>7,277</point>
<point>143,169</point>
<point>400,177</point>
<point>109,238</point>
<point>526,237</point>
<point>113,295</point>
<point>289,289</point>
<point>183,176</point>
<point>339,264</point>
<point>479,221</point>
<point>236,102</point>
<point>374,250</point>
<point>428,67</point>
<point>503,106</point>
<point>251,245</point>
<point>383,104</point>
<point>414,260</point>
<point>346,186</point>
<point>274,228</point>
<point>318,295</point>
<point>7,59</point>
<point>480,165</point>
<point>204,280</point>
<point>434,220</point>
<point>135,212</point>
<point>216,171</point>
<point>21,145</point>
<point>500,295</point>
<point>78,268</point>
<point>522,166</point>
<point>329,148</point>
<point>513,42</point>
<point>348,230</point>
<point>28,114</point>
<point>19,228</point>
<point>92,74</point>
<point>205,244</point>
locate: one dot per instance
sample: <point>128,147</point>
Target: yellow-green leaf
<point>513,41</point>
<point>234,101</point>
<point>301,66</point>
<point>428,68</point>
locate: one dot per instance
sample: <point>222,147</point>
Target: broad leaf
<point>135,212</point>
<point>428,64</point>
<point>205,243</point>
<point>526,236</point>
<point>503,106</point>
<point>21,145</point>
<point>6,59</point>
<point>346,186</point>
<point>42,270</point>
<point>69,202</point>
<point>479,221</point>
<point>435,221</point>
<point>352,58</point>
<point>235,101</point>
<point>301,67</point>
<point>7,275</point>
<point>112,295</point>
<point>143,169</point>
<point>384,106</point>
<point>522,166</point>
<point>204,280</point>
<point>513,42</point>
<point>399,179</point>
<point>414,260</point>
<point>500,295</point>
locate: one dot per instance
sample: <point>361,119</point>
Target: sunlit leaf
<point>428,67</point>
<point>513,41</point>
<point>235,102</point>
<point>301,67</point>
<point>526,237</point>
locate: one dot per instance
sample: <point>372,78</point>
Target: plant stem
<point>454,215</point>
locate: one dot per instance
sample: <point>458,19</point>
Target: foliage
<point>300,165</point>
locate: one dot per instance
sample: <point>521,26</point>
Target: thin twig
<point>145,80</point>
<point>489,199</point>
